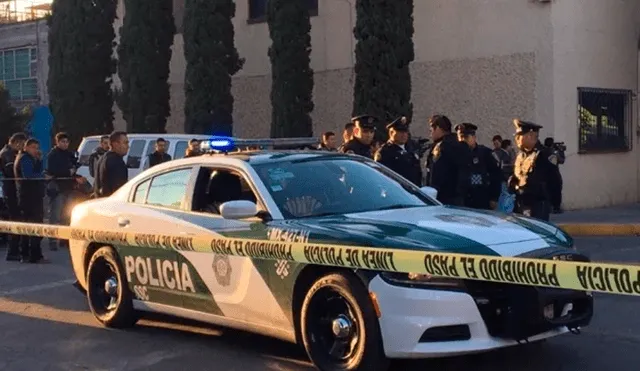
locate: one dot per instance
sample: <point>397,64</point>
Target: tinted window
<point>141,192</point>
<point>87,149</point>
<point>169,189</point>
<point>316,187</point>
<point>135,153</point>
<point>181,148</point>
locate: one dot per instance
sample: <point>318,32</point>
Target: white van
<point>140,147</point>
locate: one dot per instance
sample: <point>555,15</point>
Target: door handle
<point>123,222</point>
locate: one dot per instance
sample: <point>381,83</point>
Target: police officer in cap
<point>485,175</point>
<point>394,154</point>
<point>458,129</point>
<point>363,134</point>
<point>535,172</point>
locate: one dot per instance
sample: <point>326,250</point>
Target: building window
<point>258,10</point>
<point>604,120</point>
<point>18,72</point>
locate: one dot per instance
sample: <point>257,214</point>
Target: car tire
<point>339,325</point>
<point>110,299</point>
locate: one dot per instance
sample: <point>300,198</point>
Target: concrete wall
<point>32,34</point>
<point>595,44</point>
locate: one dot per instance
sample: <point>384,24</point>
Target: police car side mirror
<point>430,191</point>
<point>240,209</point>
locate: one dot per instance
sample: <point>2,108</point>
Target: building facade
<point>24,61</point>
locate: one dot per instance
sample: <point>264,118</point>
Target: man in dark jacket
<point>98,152</point>
<point>61,168</point>
<point>30,190</point>
<point>448,162</point>
<point>112,172</point>
<point>160,155</point>
<point>7,160</point>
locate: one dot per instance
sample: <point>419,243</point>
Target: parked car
<point>346,319</point>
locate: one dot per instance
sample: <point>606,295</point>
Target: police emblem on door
<point>222,269</point>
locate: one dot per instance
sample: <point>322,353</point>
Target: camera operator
<point>555,192</point>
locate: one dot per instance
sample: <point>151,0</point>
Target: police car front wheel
<point>340,329</point>
<point>109,297</point>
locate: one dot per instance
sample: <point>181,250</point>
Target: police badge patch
<point>553,159</point>
<point>222,269</point>
<point>436,151</point>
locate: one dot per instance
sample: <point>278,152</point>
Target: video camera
<point>560,146</point>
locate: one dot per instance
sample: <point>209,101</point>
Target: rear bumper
<point>422,323</point>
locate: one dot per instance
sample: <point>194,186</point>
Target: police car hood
<point>441,228</point>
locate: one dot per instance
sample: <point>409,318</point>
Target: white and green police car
<point>346,319</point>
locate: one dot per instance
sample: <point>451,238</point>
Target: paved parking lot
<point>46,325</point>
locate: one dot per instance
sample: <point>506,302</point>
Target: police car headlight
<point>419,279</point>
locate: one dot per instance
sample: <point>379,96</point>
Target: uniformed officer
<point>447,162</point>
<point>485,175</point>
<point>458,129</point>
<point>535,172</point>
<point>396,156</point>
<point>363,133</point>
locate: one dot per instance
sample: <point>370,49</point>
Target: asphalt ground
<point>45,324</point>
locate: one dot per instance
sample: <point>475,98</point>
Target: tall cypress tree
<point>81,66</point>
<point>291,73</point>
<point>384,33</point>
<point>212,59</point>
<point>144,57</point>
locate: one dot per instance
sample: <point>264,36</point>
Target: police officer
<point>535,172</point>
<point>7,160</point>
<point>447,162</point>
<point>396,156</point>
<point>485,175</point>
<point>363,133</point>
<point>556,190</point>
<point>30,189</point>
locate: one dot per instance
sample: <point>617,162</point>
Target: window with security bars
<point>18,73</point>
<point>604,120</point>
<point>258,10</point>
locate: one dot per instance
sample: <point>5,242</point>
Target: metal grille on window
<point>18,72</point>
<point>604,120</point>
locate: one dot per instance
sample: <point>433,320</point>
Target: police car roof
<point>273,156</point>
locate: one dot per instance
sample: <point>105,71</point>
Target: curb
<point>600,229</point>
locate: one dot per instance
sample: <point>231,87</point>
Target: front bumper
<point>423,323</point>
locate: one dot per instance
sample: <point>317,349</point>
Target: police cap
<point>365,121</point>
<point>399,124</point>
<point>467,128</point>
<point>524,127</point>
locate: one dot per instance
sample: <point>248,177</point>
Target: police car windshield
<point>320,187</point>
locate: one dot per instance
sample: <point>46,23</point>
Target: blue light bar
<point>222,144</point>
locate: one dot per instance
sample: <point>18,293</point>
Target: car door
<point>239,286</point>
<point>156,275</point>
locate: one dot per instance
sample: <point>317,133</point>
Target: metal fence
<point>605,120</point>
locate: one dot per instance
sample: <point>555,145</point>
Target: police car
<point>345,319</point>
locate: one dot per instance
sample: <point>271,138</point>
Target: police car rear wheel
<point>109,297</point>
<point>340,329</point>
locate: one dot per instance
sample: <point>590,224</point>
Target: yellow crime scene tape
<point>563,274</point>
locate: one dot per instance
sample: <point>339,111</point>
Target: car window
<point>181,148</point>
<point>135,153</point>
<point>214,187</point>
<point>86,151</point>
<point>141,192</point>
<point>315,187</point>
<point>169,189</point>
